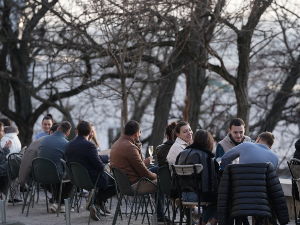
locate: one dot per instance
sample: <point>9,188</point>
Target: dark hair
<point>54,127</point>
<point>170,130</point>
<point>179,125</point>
<point>48,117</point>
<point>131,128</point>
<point>204,138</point>
<point>267,137</point>
<point>6,122</point>
<point>65,127</point>
<point>84,128</point>
<point>1,124</point>
<point>236,122</point>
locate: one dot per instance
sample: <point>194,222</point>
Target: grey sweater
<point>250,153</point>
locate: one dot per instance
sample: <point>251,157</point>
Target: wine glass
<point>150,150</point>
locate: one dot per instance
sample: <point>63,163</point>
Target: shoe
<point>103,210</point>
<point>84,193</point>
<point>95,213</point>
<point>89,199</point>
<point>72,209</point>
<point>62,208</point>
<point>15,200</point>
<point>54,207</point>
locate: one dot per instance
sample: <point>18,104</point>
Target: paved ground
<point>38,215</point>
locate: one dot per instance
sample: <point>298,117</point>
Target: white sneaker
<point>54,207</point>
<point>62,208</point>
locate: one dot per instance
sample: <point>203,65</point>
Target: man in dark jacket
<point>251,190</point>
<point>84,152</point>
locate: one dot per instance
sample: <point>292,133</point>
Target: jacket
<point>126,156</point>
<point>251,190</point>
<point>11,133</point>
<point>84,152</point>
<point>162,151</point>
<point>198,154</point>
<point>30,153</point>
<point>3,159</point>
<point>176,148</point>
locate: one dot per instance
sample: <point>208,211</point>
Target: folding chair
<point>125,188</point>
<point>185,175</point>
<point>82,180</point>
<point>294,166</point>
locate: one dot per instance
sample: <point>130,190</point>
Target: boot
<point>188,217</point>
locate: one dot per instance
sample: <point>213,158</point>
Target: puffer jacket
<point>162,151</point>
<point>11,133</point>
<point>198,154</point>
<point>251,190</point>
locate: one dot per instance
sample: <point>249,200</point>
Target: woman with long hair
<point>47,123</point>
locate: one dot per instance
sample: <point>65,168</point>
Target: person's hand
<point>148,160</point>
<point>8,144</point>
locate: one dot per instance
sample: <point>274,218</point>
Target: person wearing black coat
<point>162,150</point>
<point>200,152</point>
<point>297,151</point>
<point>84,152</point>
<point>251,190</point>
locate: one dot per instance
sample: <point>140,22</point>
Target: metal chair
<point>82,180</point>
<point>44,171</point>
<point>125,188</point>
<point>184,176</point>
<point>294,166</point>
<point>5,176</point>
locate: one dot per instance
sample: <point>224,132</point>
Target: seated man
<point>84,152</point>
<point>53,147</point>
<point>30,153</point>
<point>258,152</point>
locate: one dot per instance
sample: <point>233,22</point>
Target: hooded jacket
<point>198,154</point>
<point>251,190</point>
<point>11,133</point>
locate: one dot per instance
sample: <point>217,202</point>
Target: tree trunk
<point>124,103</point>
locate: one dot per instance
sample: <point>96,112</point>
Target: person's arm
<point>94,158</point>
<point>231,155</point>
<point>138,165</point>
<point>104,158</point>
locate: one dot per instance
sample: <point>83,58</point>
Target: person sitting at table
<point>11,133</point>
<point>200,152</point>
<point>53,147</point>
<point>3,160</point>
<point>184,138</point>
<point>162,150</point>
<point>47,123</point>
<point>30,153</point>
<point>84,152</point>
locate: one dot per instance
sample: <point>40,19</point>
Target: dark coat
<point>162,152</point>
<point>297,152</point>
<point>250,190</point>
<point>81,151</point>
<point>197,154</point>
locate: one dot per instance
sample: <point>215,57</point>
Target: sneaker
<point>62,208</point>
<point>89,199</point>
<point>103,210</point>
<point>54,207</point>
<point>72,209</point>
<point>94,215</point>
<point>15,200</point>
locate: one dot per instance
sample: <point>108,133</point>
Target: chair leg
<point>118,210</point>
<point>92,204</point>
<point>46,199</point>
<point>27,194</point>
<point>31,197</point>
<point>132,208</point>
<point>59,198</point>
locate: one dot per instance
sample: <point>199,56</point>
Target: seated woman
<point>47,123</point>
<point>184,138</point>
<point>200,152</point>
<point>3,160</point>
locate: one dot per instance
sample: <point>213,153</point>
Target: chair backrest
<point>67,171</point>
<point>186,176</point>
<point>44,171</point>
<point>81,176</point>
<point>294,166</point>
<point>14,162</point>
<point>164,180</point>
<point>122,182</point>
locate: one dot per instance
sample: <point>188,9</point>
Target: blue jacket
<point>84,152</point>
<point>53,147</point>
